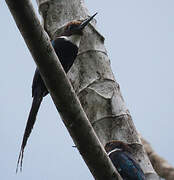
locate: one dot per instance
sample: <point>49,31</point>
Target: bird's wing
<point>127,166</point>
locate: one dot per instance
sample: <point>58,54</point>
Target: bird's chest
<point>66,52</point>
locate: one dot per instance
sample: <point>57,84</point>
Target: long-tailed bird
<point>122,159</point>
<point>66,47</point>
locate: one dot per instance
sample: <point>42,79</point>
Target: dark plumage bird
<point>66,47</point>
<point>126,165</point>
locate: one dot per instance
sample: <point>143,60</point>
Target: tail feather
<point>30,123</point>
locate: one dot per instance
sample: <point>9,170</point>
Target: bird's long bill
<point>86,21</point>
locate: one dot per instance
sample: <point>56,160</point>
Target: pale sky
<point>139,40</point>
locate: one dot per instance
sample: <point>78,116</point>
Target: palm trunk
<point>93,80</point>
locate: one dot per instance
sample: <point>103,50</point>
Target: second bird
<point>121,157</point>
<point>66,47</point>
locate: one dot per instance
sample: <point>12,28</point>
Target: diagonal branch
<point>61,91</point>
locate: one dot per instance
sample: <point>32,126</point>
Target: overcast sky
<point>139,40</point>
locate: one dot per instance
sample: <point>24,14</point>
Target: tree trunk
<point>61,91</point>
<point>93,80</point>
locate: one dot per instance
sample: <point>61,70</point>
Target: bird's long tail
<point>30,123</point>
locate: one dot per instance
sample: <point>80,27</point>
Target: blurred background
<point>139,40</point>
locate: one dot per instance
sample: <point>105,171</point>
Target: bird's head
<point>76,27</point>
<point>112,145</point>
<point>74,30</point>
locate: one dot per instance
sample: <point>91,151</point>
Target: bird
<point>121,157</point>
<point>66,48</point>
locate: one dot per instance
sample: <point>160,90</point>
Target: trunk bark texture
<point>93,80</point>
<point>61,91</point>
